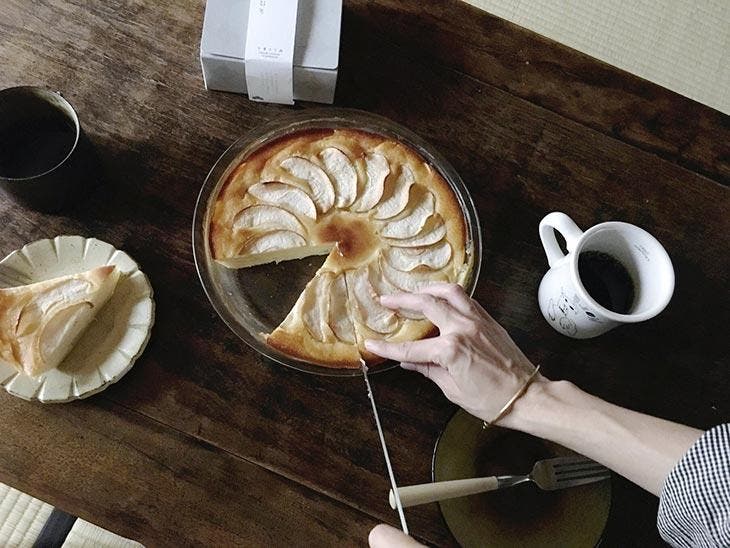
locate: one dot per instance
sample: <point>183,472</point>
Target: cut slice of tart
<point>318,328</point>
<point>385,219</point>
<point>41,322</point>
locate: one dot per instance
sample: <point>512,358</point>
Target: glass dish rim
<point>315,118</point>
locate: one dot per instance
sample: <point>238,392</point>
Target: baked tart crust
<point>386,220</point>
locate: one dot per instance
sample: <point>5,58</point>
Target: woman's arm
<point>641,448</point>
<point>478,366</point>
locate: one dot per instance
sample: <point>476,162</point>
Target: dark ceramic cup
<point>45,158</point>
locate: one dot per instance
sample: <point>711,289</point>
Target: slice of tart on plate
<point>41,322</point>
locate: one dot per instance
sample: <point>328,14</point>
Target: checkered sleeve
<point>694,505</point>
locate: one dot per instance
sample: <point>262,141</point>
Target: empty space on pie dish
<point>373,214</point>
<point>108,344</point>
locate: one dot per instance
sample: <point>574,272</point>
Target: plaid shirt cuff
<point>694,506</point>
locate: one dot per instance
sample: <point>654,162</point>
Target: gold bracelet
<point>512,400</point>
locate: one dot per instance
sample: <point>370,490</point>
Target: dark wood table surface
<point>206,443</point>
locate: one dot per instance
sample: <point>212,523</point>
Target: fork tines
<point>578,468</point>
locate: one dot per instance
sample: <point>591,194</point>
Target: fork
<point>548,474</point>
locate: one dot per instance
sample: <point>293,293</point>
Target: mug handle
<point>563,224</point>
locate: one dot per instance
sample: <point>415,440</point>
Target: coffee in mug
<point>606,280</point>
<point>45,158</point>
<point>613,273</point>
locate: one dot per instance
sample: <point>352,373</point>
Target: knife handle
<point>442,490</point>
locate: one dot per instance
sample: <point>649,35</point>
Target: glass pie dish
<point>253,301</point>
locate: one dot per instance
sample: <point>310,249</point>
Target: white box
<point>316,47</point>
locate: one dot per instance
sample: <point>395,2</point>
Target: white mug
<point>563,297</point>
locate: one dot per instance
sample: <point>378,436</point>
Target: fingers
<point>439,375</point>
<point>416,351</point>
<point>454,294</point>
<point>432,371</point>
<point>385,536</point>
<point>438,311</point>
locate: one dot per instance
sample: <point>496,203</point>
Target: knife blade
<point>388,464</point>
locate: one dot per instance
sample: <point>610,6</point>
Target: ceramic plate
<point>114,340</point>
<point>524,515</point>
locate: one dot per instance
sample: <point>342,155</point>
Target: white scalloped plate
<point>114,340</point>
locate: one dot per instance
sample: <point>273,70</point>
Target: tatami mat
<point>683,46</point>
<point>87,535</point>
<point>22,518</point>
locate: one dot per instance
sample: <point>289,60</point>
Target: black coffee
<point>33,146</point>
<point>606,280</point>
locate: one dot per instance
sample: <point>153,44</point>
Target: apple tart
<point>386,220</point>
<point>41,322</point>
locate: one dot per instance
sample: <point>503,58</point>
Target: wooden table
<point>206,443</point>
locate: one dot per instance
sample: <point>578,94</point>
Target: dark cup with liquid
<point>607,280</point>
<point>45,157</point>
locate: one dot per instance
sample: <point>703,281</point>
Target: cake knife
<point>393,485</point>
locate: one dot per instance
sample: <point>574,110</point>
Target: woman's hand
<point>473,360</point>
<point>385,536</point>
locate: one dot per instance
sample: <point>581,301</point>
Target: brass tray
<point>523,516</point>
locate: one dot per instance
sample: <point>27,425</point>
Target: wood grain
<point>560,79</point>
<point>115,468</point>
<point>131,69</point>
